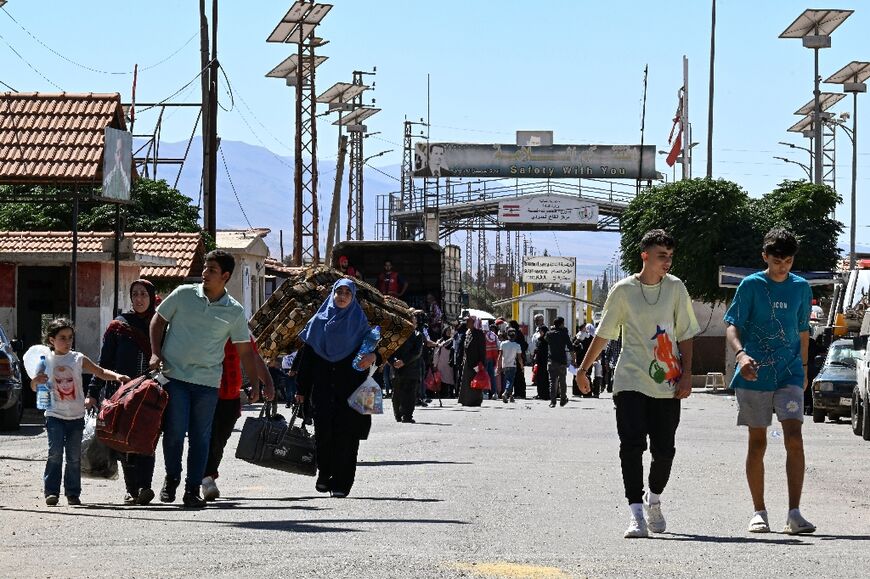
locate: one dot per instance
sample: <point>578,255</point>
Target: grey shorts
<point>756,407</point>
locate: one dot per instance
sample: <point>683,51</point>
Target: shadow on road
<point>25,430</point>
<point>712,539</point>
<point>408,462</point>
<point>22,458</point>
<point>397,499</point>
<point>320,527</point>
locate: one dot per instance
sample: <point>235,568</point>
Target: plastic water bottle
<point>43,391</point>
<point>368,346</point>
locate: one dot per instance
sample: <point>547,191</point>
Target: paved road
<point>517,490</point>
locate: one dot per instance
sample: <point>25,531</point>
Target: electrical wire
<point>383,173</point>
<point>163,101</point>
<point>233,187</point>
<point>241,98</point>
<point>33,68</point>
<point>9,87</point>
<point>90,68</point>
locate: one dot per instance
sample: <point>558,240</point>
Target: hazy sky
<point>574,67</point>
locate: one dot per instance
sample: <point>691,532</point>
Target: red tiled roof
<point>187,249</point>
<point>55,138</point>
<point>274,266</point>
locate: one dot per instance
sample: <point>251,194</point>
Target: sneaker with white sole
<point>797,525</point>
<point>637,529</point>
<point>655,518</point>
<point>210,490</point>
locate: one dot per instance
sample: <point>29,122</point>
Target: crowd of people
<point>198,337</point>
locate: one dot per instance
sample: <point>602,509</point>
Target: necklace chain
<point>643,293</point>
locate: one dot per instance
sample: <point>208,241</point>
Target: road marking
<point>513,570</point>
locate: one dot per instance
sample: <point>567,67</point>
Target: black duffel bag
<point>270,442</point>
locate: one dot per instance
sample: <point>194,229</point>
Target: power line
<point>233,187</point>
<point>90,68</point>
<point>163,101</point>
<point>241,98</point>
<point>7,86</point>
<point>24,60</point>
<point>383,173</point>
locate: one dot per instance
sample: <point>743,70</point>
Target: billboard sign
<point>117,165</point>
<point>549,269</point>
<point>548,210</point>
<point>534,138</point>
<point>534,162</point>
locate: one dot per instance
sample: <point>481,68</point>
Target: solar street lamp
<point>852,77</point>
<point>814,28</point>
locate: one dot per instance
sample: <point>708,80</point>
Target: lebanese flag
<point>676,143</point>
<point>676,148</point>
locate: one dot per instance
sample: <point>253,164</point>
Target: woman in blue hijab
<point>332,339</point>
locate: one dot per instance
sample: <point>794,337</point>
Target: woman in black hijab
<point>127,350</point>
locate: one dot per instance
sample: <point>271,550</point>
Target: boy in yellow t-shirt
<point>654,312</point>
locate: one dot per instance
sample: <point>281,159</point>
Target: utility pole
<point>332,234</point>
<point>212,124</point>
<point>684,123</point>
<point>710,104</point>
<point>208,221</point>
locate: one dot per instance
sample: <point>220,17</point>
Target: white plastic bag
<point>98,460</point>
<point>367,398</point>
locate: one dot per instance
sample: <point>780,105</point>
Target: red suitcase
<point>130,420</point>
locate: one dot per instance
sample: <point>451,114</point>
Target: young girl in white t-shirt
<point>65,418</point>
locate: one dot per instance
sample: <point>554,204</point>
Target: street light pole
<point>817,124</point>
<point>854,179</point>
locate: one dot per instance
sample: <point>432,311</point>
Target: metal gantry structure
<point>298,27</point>
<point>357,131</point>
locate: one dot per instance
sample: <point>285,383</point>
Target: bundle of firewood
<point>277,324</point>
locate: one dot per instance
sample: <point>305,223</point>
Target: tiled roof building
<point>55,138</point>
<point>187,249</point>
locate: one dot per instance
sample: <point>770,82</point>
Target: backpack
<point>130,420</point>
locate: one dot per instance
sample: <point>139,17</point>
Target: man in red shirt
<point>390,283</point>
<point>229,409</point>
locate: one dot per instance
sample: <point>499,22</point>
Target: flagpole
<point>684,122</point>
<point>642,128</point>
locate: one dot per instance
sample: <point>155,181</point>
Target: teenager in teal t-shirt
<point>768,327</point>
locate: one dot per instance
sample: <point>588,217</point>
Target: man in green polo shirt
<point>200,319</point>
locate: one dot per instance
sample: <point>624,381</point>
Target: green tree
<point>703,215</point>
<point>715,223</point>
<point>155,207</point>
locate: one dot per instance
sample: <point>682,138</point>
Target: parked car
<point>834,385</point>
<point>861,399</point>
<point>11,405</point>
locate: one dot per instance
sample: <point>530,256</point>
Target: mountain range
<point>258,184</point>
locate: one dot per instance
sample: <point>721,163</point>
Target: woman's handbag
<point>480,381</point>
<point>433,380</point>
<point>270,442</point>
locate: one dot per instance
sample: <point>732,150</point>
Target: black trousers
<point>226,413</point>
<point>406,384</point>
<point>337,451</point>
<point>639,416</point>
<point>138,471</point>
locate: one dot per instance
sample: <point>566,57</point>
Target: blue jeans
<point>490,369</point>
<point>190,411</point>
<point>509,373</point>
<point>64,437</point>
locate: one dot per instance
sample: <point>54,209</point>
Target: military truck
<point>425,265</point>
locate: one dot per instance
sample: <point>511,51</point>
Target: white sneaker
<point>637,529</point>
<point>656,520</point>
<point>758,523</point>
<point>210,490</point>
<point>797,525</point>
